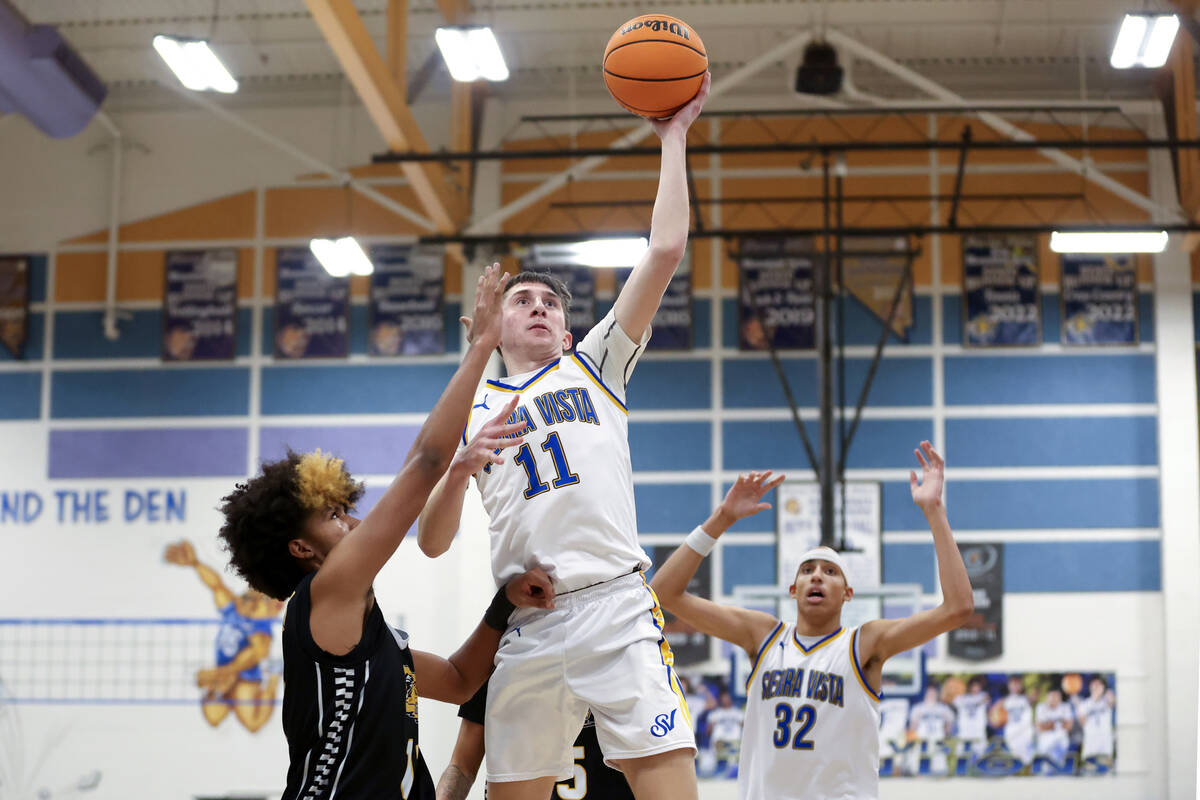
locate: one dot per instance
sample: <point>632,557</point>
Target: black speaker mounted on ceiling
<point>819,72</point>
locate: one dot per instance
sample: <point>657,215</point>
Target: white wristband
<point>700,541</point>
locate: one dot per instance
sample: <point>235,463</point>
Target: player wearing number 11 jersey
<point>812,715</point>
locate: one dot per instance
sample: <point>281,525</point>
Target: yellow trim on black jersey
<point>808,651</point>
<point>862,679</point>
<point>766,646</point>
<point>596,380</point>
<point>504,387</point>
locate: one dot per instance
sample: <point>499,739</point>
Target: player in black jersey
<point>350,681</point>
<point>592,778</point>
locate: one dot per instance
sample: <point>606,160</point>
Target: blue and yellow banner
<point>312,308</point>
<point>1002,304</point>
<point>407,298</point>
<point>1099,299</point>
<point>200,305</point>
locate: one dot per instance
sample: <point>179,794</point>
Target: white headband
<point>825,554</point>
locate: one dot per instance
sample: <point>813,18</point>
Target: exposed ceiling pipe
<point>491,222</point>
<point>111,330</point>
<point>1000,125</point>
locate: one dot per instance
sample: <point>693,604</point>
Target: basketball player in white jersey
<point>1054,720</point>
<point>812,713</point>
<point>564,501</point>
<point>1018,720</point>
<point>725,733</point>
<point>1095,714</point>
<point>929,722</point>
<point>972,708</point>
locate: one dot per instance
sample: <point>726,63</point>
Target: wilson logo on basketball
<point>657,25</point>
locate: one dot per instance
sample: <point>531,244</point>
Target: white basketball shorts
<point>601,648</point>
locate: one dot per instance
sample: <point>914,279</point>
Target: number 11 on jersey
<point>563,476</point>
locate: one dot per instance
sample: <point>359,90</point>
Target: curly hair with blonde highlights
<point>266,512</point>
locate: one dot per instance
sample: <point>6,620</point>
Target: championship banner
<point>582,284</point>
<point>1099,299</point>
<point>312,308</point>
<point>798,530</point>
<point>983,636</point>
<point>200,305</point>
<point>14,304</point>
<point>406,302</point>
<point>1002,304</point>
<point>775,277</point>
<point>996,724</point>
<point>689,645</point>
<point>873,279</point>
<point>672,324</point>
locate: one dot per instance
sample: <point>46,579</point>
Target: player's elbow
<point>668,250</point>
<point>430,545</point>
<point>960,610</point>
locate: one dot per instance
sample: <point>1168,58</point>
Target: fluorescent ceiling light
<point>1144,40</point>
<point>471,54</point>
<point>195,64</point>
<point>1108,241</point>
<point>341,257</point>
<point>611,253</point>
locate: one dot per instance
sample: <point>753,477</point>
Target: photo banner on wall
<point>406,303</point>
<point>312,308</point>
<point>1001,725</point>
<point>1018,726</point>
<point>983,636</point>
<point>798,530</point>
<point>1002,304</point>
<point>672,324</point>
<point>14,304</point>
<point>775,279</point>
<point>1099,299</point>
<point>689,645</point>
<point>200,305</point>
<point>873,279</point>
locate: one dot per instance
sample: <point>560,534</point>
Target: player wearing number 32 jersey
<point>812,714</point>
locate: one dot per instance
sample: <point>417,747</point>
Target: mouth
<point>538,326</point>
<point>815,595</point>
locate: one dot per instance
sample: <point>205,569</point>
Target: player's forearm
<point>437,440</point>
<point>957,597</point>
<point>672,215</point>
<point>208,576</point>
<point>455,784</point>
<point>441,516</point>
<point>473,660</point>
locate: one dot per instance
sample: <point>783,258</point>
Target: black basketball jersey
<point>351,720</point>
<point>592,779</point>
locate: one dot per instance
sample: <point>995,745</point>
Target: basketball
<point>654,64</point>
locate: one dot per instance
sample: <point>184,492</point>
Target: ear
<point>792,590</point>
<point>566,341</point>
<point>298,548</point>
<point>849,593</point>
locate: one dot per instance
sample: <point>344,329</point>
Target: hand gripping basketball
<point>654,65</point>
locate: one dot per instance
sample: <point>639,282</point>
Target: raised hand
<point>533,589</point>
<point>744,498</point>
<point>928,492</point>
<point>489,291</point>
<point>685,116</point>
<point>495,434</point>
<point>181,553</point>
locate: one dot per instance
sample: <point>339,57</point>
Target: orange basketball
<point>654,64</point>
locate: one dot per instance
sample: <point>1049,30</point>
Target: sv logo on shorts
<point>663,724</point>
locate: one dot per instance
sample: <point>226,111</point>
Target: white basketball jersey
<point>1096,717</point>
<point>564,499</point>
<point>812,721</point>
<point>1019,722</point>
<point>972,715</point>
<point>931,721</point>
<point>1061,715</point>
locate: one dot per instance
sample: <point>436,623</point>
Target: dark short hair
<point>261,516</point>
<point>546,279</point>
